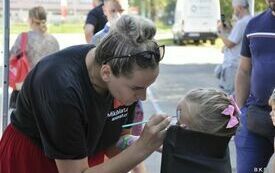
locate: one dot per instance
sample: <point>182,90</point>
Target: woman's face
<point>272,113</point>
<point>129,90</point>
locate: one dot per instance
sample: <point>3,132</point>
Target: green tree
<point>163,9</point>
<point>260,5</point>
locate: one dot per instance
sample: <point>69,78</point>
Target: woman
<point>73,104</point>
<point>39,42</point>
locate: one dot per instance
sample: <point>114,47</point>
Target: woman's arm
<point>151,139</point>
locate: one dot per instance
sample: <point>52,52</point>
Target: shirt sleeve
<point>91,18</point>
<point>245,50</point>
<point>237,32</point>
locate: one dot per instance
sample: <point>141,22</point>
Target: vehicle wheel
<point>212,42</point>
<point>204,41</point>
<point>196,42</point>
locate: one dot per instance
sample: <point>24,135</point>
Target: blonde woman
<point>39,42</point>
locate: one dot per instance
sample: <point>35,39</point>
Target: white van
<point>196,20</point>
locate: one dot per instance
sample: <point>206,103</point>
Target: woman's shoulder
<point>51,38</point>
<point>40,35</point>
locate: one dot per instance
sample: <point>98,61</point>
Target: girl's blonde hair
<point>272,98</point>
<point>204,111</point>
<point>38,15</point>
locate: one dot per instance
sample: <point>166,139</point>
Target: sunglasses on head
<point>158,55</point>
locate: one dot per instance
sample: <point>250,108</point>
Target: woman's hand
<point>154,132</point>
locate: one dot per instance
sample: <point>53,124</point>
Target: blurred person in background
<point>254,85</point>
<point>232,45</point>
<point>95,21</point>
<point>39,43</point>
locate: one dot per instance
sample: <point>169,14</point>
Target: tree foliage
<point>164,9</point>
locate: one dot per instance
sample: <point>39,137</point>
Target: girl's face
<point>182,113</point>
<point>272,113</point>
<point>129,90</point>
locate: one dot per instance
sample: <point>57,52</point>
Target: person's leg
<point>228,79</point>
<point>136,130</point>
<point>253,151</point>
<point>139,115</point>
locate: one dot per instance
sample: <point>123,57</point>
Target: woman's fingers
<point>155,131</point>
<point>164,124</point>
<point>159,122</point>
<point>156,119</point>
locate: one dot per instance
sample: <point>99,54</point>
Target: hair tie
<point>230,111</point>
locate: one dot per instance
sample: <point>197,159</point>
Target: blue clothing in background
<point>254,151</point>
<point>259,45</point>
<point>101,34</point>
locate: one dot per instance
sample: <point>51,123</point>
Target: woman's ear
<point>106,72</point>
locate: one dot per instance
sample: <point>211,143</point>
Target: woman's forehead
<point>145,74</point>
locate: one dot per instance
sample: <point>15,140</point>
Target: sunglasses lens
<point>161,51</point>
<point>145,55</point>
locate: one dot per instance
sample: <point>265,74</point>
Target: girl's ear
<point>106,72</point>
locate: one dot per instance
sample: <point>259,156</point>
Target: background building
<point>55,8</point>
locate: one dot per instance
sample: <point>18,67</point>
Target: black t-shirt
<point>97,18</point>
<point>59,109</point>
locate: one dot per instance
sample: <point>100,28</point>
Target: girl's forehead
<point>181,102</point>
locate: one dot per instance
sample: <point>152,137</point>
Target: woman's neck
<point>94,73</point>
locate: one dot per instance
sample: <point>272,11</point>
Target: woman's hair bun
<point>137,28</point>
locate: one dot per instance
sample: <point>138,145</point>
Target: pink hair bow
<point>229,111</point>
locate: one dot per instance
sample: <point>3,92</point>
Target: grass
<point>16,28</point>
<point>69,27</point>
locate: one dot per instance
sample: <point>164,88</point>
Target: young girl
<point>209,111</point>
<point>271,165</point>
<point>207,119</point>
